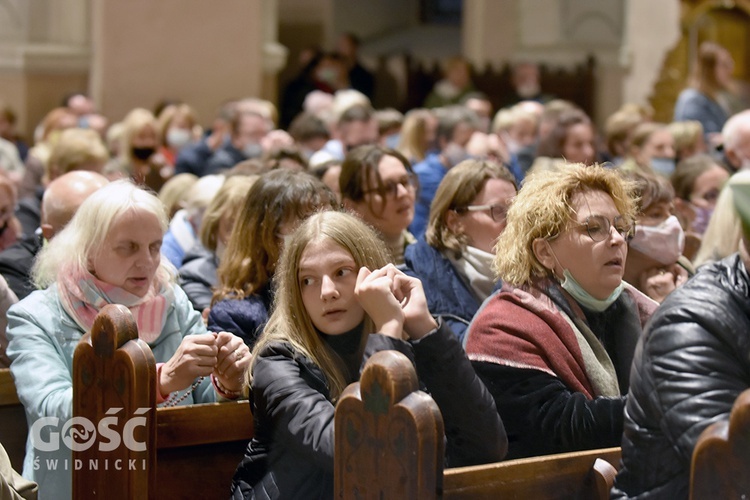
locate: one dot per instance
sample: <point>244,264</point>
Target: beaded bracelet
<point>174,401</point>
<point>223,390</point>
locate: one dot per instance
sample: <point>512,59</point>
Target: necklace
<point>174,400</point>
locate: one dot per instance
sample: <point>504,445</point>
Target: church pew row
<point>388,439</point>
<point>389,444</point>
<point>197,447</point>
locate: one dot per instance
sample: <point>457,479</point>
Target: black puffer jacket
<point>689,367</point>
<point>291,455</point>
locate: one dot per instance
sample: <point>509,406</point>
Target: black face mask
<point>142,154</point>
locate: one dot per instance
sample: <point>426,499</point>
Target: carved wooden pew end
<point>114,381</point>
<point>388,434</point>
<point>389,444</point>
<point>181,452</point>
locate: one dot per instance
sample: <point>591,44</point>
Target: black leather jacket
<point>689,367</point>
<point>291,455</point>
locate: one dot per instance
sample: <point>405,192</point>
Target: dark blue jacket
<point>448,294</point>
<point>224,158</point>
<point>430,172</point>
<point>244,318</point>
<point>192,159</point>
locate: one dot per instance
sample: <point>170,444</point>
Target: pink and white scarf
<point>83,296</point>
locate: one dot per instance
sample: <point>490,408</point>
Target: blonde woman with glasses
<point>555,344</point>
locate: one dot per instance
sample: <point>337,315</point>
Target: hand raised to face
<point>395,302</point>
<point>375,292</point>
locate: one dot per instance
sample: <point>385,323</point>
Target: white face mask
<point>513,146</point>
<point>252,150</point>
<point>177,137</point>
<point>528,90</point>
<point>663,243</point>
<point>663,166</point>
<point>584,298</point>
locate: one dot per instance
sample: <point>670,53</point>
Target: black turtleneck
<point>349,346</point>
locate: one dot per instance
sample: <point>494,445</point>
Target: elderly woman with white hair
<point>110,254</point>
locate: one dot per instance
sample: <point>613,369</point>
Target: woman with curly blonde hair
<point>555,343</point>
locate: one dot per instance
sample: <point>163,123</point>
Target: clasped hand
<point>394,301</point>
<point>222,354</point>
<point>659,282</point>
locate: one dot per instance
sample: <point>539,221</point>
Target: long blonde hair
<point>290,322</point>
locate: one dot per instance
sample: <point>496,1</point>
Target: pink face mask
<point>663,243</point>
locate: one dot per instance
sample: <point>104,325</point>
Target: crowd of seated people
<point>518,258</point>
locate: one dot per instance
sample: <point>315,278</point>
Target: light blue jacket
<point>694,105</point>
<point>42,338</point>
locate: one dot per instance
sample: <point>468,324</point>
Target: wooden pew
<point>389,444</point>
<point>114,378</point>
<point>13,428</point>
<point>582,474</point>
<point>190,451</point>
<point>388,434</point>
<point>199,447</point>
<point>721,458</point>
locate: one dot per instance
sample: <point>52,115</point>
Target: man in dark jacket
<point>248,128</point>
<point>689,367</point>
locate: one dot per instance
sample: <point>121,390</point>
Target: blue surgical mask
<point>391,141</point>
<point>584,298</point>
<point>663,166</point>
<point>252,150</point>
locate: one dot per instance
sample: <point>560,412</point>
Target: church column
<point>44,55</point>
<point>202,53</point>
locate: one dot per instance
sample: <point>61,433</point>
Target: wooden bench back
<point>389,444</point>
<point>189,451</point>
<point>388,434</point>
<point>114,387</point>
<point>199,448</point>
<point>721,459</point>
<point>578,475</point>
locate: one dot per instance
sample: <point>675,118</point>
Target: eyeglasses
<point>390,188</point>
<point>497,212</point>
<point>599,227</point>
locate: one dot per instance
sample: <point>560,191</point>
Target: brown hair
<point>275,198</point>
<point>460,186</point>
<point>361,166</point>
